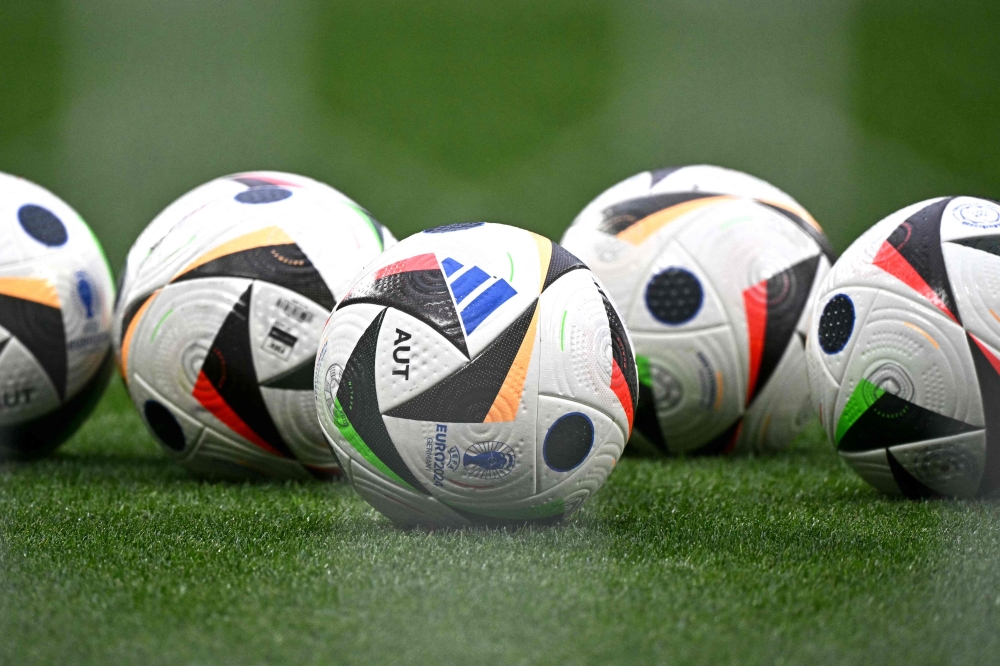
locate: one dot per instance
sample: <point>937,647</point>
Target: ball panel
<point>969,217</point>
<point>862,300</point>
<point>951,466</point>
<point>564,430</point>
<point>219,456</point>
<point>914,353</point>
<point>143,393</point>
<point>284,332</point>
<point>780,410</point>
<point>697,381</point>
<point>26,388</point>
<point>975,280</point>
<point>675,260</point>
<point>303,436</point>
<point>412,359</point>
<point>873,467</point>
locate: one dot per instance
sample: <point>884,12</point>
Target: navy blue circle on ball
<point>674,296</point>
<point>458,226</point>
<point>568,441</point>
<point>263,195</point>
<point>164,425</point>
<point>42,225</point>
<point>836,323</point>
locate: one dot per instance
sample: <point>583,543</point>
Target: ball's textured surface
<point>904,350</point>
<point>476,373</point>
<point>56,297</point>
<point>712,270</point>
<point>220,324</point>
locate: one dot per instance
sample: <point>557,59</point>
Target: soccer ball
<point>476,374</point>
<point>56,294</point>
<point>220,324</point>
<point>712,269</point>
<point>904,350</point>
<point>246,183</point>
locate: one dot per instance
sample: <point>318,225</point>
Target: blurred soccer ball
<point>56,295</point>
<point>220,322</point>
<point>712,269</point>
<point>477,373</point>
<point>904,350</point>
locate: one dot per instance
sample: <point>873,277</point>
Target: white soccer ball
<point>476,373</point>
<point>221,322</point>
<point>712,269</point>
<point>904,350</point>
<point>56,295</point>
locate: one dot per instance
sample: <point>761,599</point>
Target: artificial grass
<point>109,553</point>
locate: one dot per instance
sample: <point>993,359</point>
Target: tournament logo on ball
<point>978,215</point>
<point>489,460</point>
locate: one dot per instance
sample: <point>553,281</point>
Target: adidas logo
<point>480,293</point>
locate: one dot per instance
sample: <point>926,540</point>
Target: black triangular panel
<point>3,345</point>
<point>561,262</point>
<point>989,390</point>
<point>621,350</point>
<point>909,485</point>
<point>787,293</point>
<point>284,265</point>
<point>229,367</point>
<point>130,311</point>
<point>359,400</point>
<point>39,328</point>
<point>918,240</point>
<point>422,294</point>
<point>467,395</point>
<point>620,216</point>
<point>299,378</point>
<point>818,236</point>
<point>989,244</point>
<point>891,420</point>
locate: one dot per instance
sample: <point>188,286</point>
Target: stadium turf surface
<point>110,553</point>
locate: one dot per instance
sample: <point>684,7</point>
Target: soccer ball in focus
<point>712,269</point>
<point>904,350</point>
<point>56,295</point>
<point>220,325</point>
<point>476,374</point>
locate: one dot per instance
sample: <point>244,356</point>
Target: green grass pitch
<point>109,553</point>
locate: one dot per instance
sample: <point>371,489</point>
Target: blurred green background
<point>434,111</point>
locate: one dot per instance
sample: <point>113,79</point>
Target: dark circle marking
<point>458,226</point>
<point>263,195</point>
<point>836,324</point>
<point>674,296</point>
<point>568,441</point>
<point>42,225</point>
<point>164,425</point>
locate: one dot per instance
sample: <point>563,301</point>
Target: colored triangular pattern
<point>508,399</point>
<point>909,485</point>
<point>818,236</point>
<point>227,384</point>
<point>468,395</point>
<point>913,255</point>
<point>284,265</point>
<point>417,287</point>
<point>988,376</point>
<point>299,378</point>
<point>725,443</point>
<point>133,315</point>
<point>358,417</point>
<point>773,308</point>
<point>130,311</point>
<point>889,420</point>
<point>624,376</point>
<point>39,327</point>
